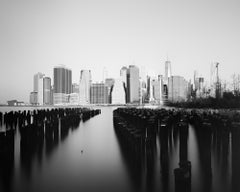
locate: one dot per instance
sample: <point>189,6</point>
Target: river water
<point>92,158</point>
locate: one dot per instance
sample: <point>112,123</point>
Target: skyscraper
<point>123,75</point>
<point>158,89</point>
<point>177,89</point>
<point>133,84</point>
<point>118,92</point>
<point>150,97</point>
<point>109,82</point>
<point>38,87</point>
<point>98,93</point>
<point>46,90</point>
<point>62,84</point>
<point>33,98</point>
<point>168,71</point>
<point>84,87</point>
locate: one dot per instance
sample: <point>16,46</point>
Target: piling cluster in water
<point>138,129</point>
<point>42,122</point>
<point>38,129</point>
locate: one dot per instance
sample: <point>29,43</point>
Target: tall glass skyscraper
<point>133,84</point>
<point>168,71</point>
<point>84,87</point>
<point>38,87</point>
<point>46,90</point>
<point>62,84</point>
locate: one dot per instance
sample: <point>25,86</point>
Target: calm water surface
<point>92,158</point>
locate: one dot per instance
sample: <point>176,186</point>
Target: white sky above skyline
<point>35,36</point>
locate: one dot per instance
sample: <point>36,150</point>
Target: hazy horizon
<point>35,36</point>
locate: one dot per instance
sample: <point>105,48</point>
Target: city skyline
<point>93,35</point>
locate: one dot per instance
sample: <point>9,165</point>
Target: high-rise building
<point>133,84</point>
<point>123,75</point>
<point>150,97</point>
<point>168,71</point>
<point>38,87</point>
<point>62,84</point>
<point>158,89</point>
<point>199,86</point>
<point>98,93</point>
<point>51,95</point>
<point>47,91</point>
<point>177,89</point>
<point>109,82</point>
<point>33,98</point>
<point>84,87</point>
<point>118,92</point>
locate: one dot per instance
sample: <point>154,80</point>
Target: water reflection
<point>214,161</point>
<point>6,160</point>
<point>39,131</point>
<point>160,154</point>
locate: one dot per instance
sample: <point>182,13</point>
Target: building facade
<point>158,89</point>
<point>109,82</point>
<point>133,84</point>
<point>123,75</point>
<point>47,91</point>
<point>38,87</point>
<point>118,92</point>
<point>98,93</point>
<point>168,71</point>
<point>84,87</point>
<point>177,89</point>
<point>62,84</point>
<point>33,98</point>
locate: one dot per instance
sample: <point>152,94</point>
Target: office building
<point>118,92</point>
<point>158,89</point>
<point>199,87</point>
<point>177,89</point>
<point>38,87</point>
<point>33,98</point>
<point>133,84</point>
<point>47,91</point>
<point>123,75</point>
<point>98,93</point>
<point>149,90</point>
<point>109,82</point>
<point>62,84</point>
<point>168,71</point>
<point>84,87</point>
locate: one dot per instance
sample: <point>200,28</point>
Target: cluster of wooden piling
<point>36,125</point>
<point>38,129</point>
<point>139,127</point>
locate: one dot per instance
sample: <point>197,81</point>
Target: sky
<point>37,35</point>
